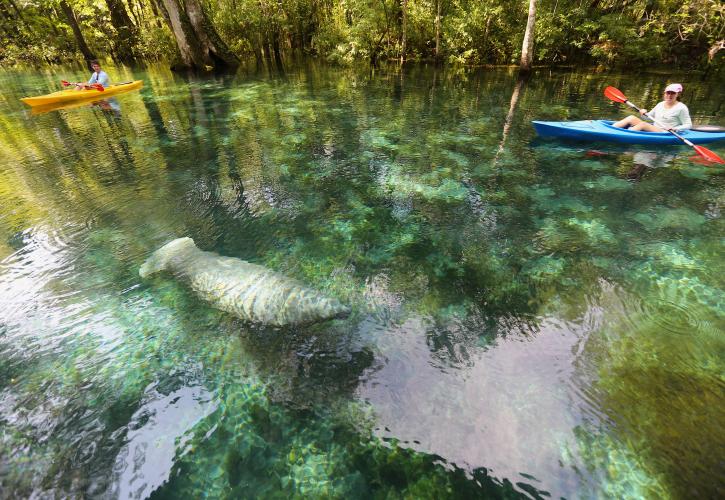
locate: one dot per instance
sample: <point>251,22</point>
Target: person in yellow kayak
<point>98,77</point>
<point>671,113</point>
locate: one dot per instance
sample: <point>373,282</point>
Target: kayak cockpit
<point>610,124</point>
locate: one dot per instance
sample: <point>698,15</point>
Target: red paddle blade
<point>64,83</point>
<point>615,94</point>
<point>708,155</point>
<point>699,160</point>
<point>593,152</point>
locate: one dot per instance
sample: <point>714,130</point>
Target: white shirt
<point>677,117</point>
<point>100,77</point>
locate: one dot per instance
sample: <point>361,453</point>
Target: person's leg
<point>646,127</point>
<point>629,121</point>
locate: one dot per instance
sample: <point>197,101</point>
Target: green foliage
<point>42,32</point>
<point>478,32</point>
<point>368,30</point>
<point>156,43</point>
<point>469,32</point>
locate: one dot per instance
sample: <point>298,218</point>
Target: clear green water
<point>530,317</point>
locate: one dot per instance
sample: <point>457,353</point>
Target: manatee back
<point>260,295</point>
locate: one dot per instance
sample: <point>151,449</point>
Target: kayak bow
<point>602,130</point>
<point>63,96</point>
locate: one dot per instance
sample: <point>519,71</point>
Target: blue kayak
<point>602,130</point>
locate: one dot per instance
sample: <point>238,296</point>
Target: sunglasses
<point>670,92</point>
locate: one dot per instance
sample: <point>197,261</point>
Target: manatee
<point>248,291</point>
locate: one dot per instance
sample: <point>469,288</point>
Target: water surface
<point>530,317</point>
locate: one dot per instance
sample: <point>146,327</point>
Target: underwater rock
<point>248,291</point>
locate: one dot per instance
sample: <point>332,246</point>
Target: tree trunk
<point>405,27</point>
<point>276,49</point>
<point>158,15</point>
<point>527,50</point>
<point>199,44</point>
<point>438,28</point>
<point>212,43</point>
<point>186,40</point>
<point>257,49</point>
<point>70,15</point>
<point>125,29</point>
<point>137,12</point>
<point>484,49</point>
<point>265,48</point>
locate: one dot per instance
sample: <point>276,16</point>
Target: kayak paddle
<point>96,86</point>
<point>616,95</point>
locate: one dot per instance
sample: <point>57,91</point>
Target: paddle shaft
<point>85,86</point>
<point>689,143</point>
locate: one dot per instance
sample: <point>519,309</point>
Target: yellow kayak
<point>63,96</point>
<point>45,108</point>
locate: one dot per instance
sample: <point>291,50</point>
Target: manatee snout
<point>159,260</point>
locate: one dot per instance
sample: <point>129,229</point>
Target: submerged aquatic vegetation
<point>671,219</point>
<point>546,268</point>
<point>574,235</point>
<point>526,318</point>
<point>608,183</point>
<point>428,186</point>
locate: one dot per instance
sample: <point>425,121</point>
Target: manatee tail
<point>320,308</point>
<point>159,260</point>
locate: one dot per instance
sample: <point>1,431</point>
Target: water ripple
<point>669,316</point>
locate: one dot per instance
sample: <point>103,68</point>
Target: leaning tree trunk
<point>527,50</point>
<point>199,44</point>
<point>126,31</point>
<point>70,15</point>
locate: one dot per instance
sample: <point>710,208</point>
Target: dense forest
<point>214,34</point>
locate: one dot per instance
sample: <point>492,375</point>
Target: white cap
<point>674,87</point>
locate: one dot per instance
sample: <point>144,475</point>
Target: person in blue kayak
<point>98,76</point>
<point>670,113</point>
